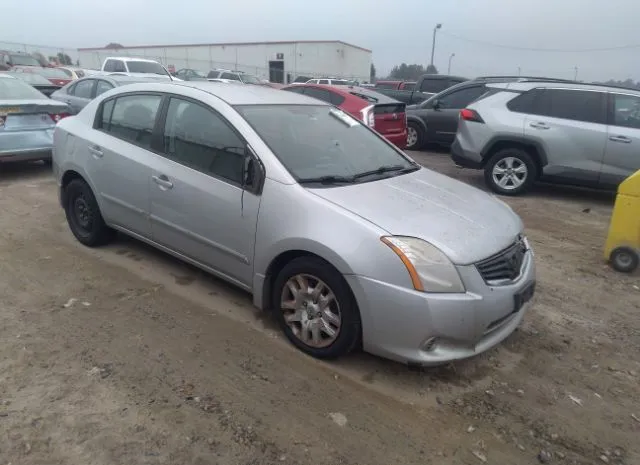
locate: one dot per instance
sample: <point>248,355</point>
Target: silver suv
<point>567,133</point>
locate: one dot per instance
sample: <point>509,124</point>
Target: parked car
<point>17,60</point>
<point>136,67</point>
<point>238,76</point>
<point>325,223</point>
<point>561,132</point>
<point>54,75</point>
<point>385,115</point>
<point>187,74</point>
<point>301,80</point>
<point>27,120</point>
<point>425,87</point>
<point>36,81</point>
<point>396,85</point>
<point>72,72</point>
<point>331,81</point>
<point>79,93</point>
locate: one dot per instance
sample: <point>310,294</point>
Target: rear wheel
<point>510,171</point>
<point>415,136</point>
<point>624,259</point>
<point>315,308</point>
<point>83,215</point>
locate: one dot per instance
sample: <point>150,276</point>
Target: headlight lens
<point>429,268</point>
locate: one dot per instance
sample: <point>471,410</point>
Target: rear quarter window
<point>525,103</point>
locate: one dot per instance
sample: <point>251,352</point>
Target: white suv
<point>569,133</point>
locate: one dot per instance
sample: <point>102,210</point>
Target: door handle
<point>162,181</point>
<point>623,139</point>
<point>96,151</point>
<point>539,125</point>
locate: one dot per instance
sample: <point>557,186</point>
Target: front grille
<point>505,265</point>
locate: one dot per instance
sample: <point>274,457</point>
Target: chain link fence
<point>46,53</point>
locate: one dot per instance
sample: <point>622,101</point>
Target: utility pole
<point>519,71</point>
<point>575,76</point>
<point>450,58</point>
<point>433,43</point>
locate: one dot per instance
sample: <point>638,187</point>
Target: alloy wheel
<point>311,310</point>
<point>412,136</point>
<point>510,173</point>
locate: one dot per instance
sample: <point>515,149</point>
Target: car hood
<point>465,223</point>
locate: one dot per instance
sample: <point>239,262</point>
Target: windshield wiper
<point>329,180</point>
<point>386,169</point>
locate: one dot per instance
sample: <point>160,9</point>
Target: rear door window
<point>323,81</point>
<point>573,104</point>
<point>132,118</point>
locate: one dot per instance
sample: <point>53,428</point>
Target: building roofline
<point>95,49</point>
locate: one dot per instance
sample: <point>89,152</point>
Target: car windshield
<point>52,73</point>
<point>24,60</point>
<point>315,142</point>
<point>149,67</point>
<point>15,89</point>
<point>249,79</point>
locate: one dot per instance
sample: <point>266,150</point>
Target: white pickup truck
<point>138,67</point>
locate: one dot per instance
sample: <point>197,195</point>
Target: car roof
<point>235,94</point>
<point>5,75</point>
<point>525,86</point>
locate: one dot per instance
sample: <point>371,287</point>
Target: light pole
<point>519,71</point>
<point>433,44</point>
<point>450,58</point>
<point>575,76</point>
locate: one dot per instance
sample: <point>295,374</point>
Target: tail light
<point>368,117</point>
<point>470,115</point>
<point>58,116</point>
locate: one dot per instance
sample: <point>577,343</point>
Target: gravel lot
<point>123,355</point>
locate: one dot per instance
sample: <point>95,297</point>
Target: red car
<point>396,85</point>
<point>54,75</point>
<point>386,115</point>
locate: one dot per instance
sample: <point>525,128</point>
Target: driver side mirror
<point>253,174</point>
<point>436,105</point>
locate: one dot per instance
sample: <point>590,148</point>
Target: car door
<point>570,126</point>
<point>80,94</point>
<point>622,153</point>
<point>198,205</point>
<point>441,113</point>
<point>119,159</point>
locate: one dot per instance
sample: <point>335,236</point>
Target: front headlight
<point>429,268</point>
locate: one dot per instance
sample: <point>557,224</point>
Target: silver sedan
<point>346,239</point>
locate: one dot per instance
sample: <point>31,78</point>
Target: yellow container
<point>622,249</point>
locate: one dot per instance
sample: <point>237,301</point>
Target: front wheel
<point>315,308</point>
<point>624,259</point>
<point>510,171</point>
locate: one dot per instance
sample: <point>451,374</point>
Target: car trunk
<point>25,115</point>
<point>390,118</point>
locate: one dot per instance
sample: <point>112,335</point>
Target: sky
<point>541,37</point>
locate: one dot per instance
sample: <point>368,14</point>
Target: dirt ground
<point>123,355</point>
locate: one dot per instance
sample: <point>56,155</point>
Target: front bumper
<point>401,324</point>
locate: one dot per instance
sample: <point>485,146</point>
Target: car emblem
<point>395,116</point>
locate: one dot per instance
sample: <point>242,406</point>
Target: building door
<point>276,71</point>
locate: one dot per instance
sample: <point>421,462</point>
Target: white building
<point>276,61</point>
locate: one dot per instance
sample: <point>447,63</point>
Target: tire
<point>345,319</point>
<point>83,215</point>
<point>519,180</point>
<point>417,141</point>
<point>624,259</point>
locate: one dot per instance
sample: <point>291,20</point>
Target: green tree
<point>372,73</point>
<point>431,69</point>
<point>64,59</point>
<point>407,72</point>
